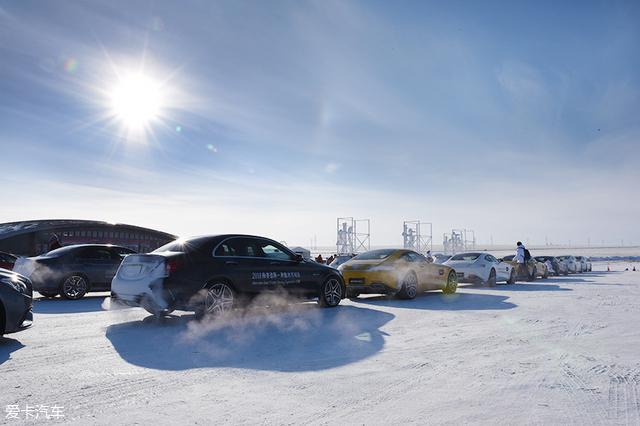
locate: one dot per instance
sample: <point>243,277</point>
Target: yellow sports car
<point>393,271</point>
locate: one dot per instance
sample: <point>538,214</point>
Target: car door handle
<point>230,262</point>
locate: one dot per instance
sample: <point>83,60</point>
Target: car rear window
<point>466,256</point>
<point>184,245</point>
<point>375,254</point>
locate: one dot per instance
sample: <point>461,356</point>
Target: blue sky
<point>516,119</point>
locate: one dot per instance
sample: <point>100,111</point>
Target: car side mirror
<point>299,258</point>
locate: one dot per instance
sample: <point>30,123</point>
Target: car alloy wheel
<point>452,283</point>
<point>409,288</point>
<point>331,293</point>
<point>74,287</point>
<point>219,300</point>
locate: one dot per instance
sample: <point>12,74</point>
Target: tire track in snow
<point>595,405</point>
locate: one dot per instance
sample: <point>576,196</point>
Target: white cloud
<point>331,168</point>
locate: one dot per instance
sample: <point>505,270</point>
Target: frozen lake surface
<point>557,351</point>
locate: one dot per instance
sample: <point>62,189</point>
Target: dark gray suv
<point>72,271</point>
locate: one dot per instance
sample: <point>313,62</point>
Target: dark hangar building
<point>31,238</point>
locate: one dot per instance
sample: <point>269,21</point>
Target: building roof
<point>11,229</point>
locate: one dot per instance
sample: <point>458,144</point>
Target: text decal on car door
<point>271,278</point>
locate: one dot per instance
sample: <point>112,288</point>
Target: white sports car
<point>481,268</point>
<point>584,263</point>
<point>572,264</point>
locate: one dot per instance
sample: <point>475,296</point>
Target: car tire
<point>566,272</point>
<point>452,283</point>
<point>218,299</point>
<point>331,293</point>
<point>491,282</point>
<point>74,287</point>
<point>409,286</point>
<point>512,277</point>
<point>48,294</point>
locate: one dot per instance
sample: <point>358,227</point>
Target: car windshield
<point>375,254</point>
<point>466,256</point>
<point>507,258</point>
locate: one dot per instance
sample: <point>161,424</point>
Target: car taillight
<point>171,266</point>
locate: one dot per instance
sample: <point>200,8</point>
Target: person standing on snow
<point>429,256</point>
<point>521,261</point>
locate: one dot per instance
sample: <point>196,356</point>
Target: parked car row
<point>212,275</point>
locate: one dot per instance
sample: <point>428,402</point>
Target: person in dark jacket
<point>54,242</point>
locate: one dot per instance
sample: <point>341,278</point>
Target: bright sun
<point>136,101</point>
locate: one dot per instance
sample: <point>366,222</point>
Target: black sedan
<point>15,302</point>
<point>73,271</point>
<point>211,275</point>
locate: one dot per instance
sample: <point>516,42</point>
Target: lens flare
<point>71,65</point>
<point>136,101</point>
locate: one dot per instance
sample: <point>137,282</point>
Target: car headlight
<point>15,283</point>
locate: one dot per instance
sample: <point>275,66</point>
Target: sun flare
<point>136,101</point>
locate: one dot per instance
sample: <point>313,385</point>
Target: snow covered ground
<point>558,351</point>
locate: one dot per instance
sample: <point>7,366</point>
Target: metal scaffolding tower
<point>459,240</point>
<point>353,235</point>
<point>417,235</point>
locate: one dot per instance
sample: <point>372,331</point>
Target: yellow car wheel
<point>452,284</point>
<point>409,288</point>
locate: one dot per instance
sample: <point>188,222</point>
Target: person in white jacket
<point>521,261</point>
<point>429,256</point>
